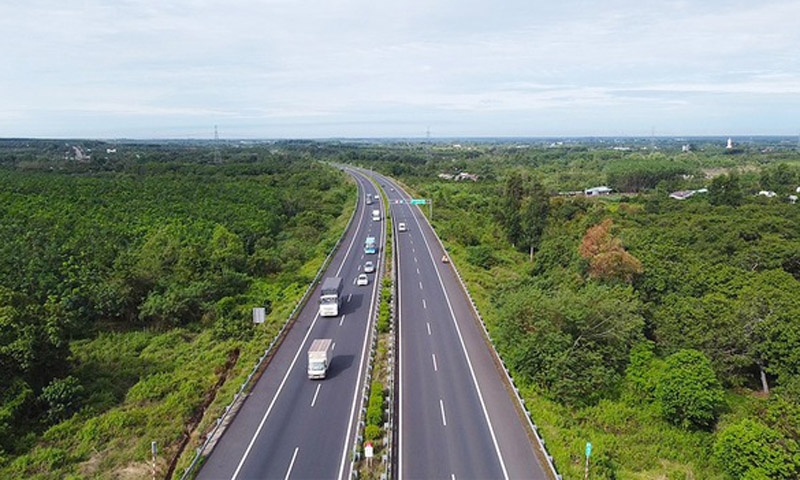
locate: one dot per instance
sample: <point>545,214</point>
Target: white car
<point>362,280</point>
<point>401,227</point>
<point>369,267</point>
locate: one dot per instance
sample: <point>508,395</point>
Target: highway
<point>457,419</point>
<point>293,427</point>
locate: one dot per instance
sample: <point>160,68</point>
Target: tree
<point>768,311</point>
<point>707,323</point>
<point>574,344</point>
<point>510,202</point>
<point>778,178</point>
<point>523,209</point>
<point>726,190</point>
<point>607,259</point>
<point>533,216</point>
<point>227,250</point>
<point>688,391</point>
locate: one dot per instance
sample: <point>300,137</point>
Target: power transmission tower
<point>217,158</point>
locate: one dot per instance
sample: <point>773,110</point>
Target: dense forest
<point>664,331</point>
<point>127,280</point>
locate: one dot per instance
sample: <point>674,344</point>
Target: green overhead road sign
<point>417,201</point>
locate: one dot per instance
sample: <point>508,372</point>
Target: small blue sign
<point>588,449</point>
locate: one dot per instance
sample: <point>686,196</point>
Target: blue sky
<point>365,68</point>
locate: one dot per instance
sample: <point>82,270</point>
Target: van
<point>376,215</point>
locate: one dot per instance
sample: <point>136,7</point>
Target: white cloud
<point>195,62</point>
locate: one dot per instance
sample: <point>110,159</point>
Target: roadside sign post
<point>154,451</point>
<point>259,314</point>
<point>424,201</point>
<point>588,454</point>
<point>368,452</point>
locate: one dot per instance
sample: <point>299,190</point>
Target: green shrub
<point>642,374</point>
<point>383,311</point>
<point>481,256</point>
<point>375,415</point>
<point>62,398</point>
<point>372,432</point>
<point>749,449</point>
<point>375,408</point>
<point>688,392</point>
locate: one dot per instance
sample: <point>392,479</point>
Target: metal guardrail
<point>275,343</point>
<point>510,380</point>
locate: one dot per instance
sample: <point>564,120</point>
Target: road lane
<point>291,426</point>
<point>485,436</point>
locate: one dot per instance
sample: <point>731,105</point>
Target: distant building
<point>466,176</point>
<point>681,194</point>
<point>767,193</point>
<point>461,176</point>
<point>684,194</point>
<point>595,191</point>
<point>729,146</point>
<point>792,199</point>
<point>111,150</point>
<point>686,148</point>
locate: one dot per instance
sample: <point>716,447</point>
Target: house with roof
<point>595,191</point>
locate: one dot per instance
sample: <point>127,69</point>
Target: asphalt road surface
<point>457,419</point>
<point>293,427</point>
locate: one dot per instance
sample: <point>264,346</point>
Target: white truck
<point>319,358</point>
<point>376,215</point>
<point>330,299</point>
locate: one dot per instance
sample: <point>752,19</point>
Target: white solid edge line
<point>291,365</point>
